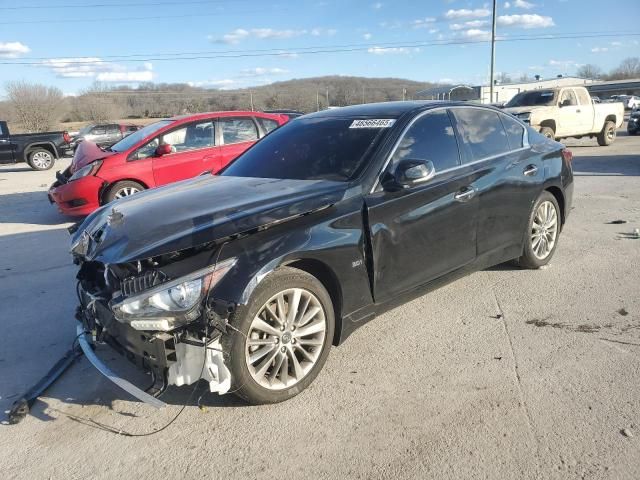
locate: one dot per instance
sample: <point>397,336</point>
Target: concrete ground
<point>504,374</point>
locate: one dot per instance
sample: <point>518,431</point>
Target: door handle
<point>530,171</point>
<point>578,110</point>
<point>464,195</point>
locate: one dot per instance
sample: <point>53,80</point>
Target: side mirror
<point>565,103</point>
<point>163,149</point>
<point>409,173</point>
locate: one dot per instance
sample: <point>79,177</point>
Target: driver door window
<point>193,136</point>
<point>431,138</point>
<point>570,96</point>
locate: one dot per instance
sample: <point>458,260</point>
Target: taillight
<point>567,155</point>
<point>66,137</point>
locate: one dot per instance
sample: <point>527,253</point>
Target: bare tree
<point>36,107</point>
<point>99,104</point>
<point>628,68</point>
<point>590,71</point>
<point>503,77</point>
<point>525,77</point>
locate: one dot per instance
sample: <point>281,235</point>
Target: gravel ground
<point>503,374</point>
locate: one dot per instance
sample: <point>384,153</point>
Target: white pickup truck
<point>567,112</point>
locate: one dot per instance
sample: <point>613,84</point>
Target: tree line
<point>35,107</point>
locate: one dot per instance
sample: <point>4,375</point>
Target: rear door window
<point>238,130</point>
<point>515,132</point>
<point>431,137</point>
<point>482,132</point>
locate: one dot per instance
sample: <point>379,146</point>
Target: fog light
<point>161,324</point>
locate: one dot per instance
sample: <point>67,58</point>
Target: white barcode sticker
<point>373,123</point>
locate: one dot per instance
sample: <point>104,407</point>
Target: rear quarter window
<point>515,132</point>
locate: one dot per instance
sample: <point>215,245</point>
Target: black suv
<point>246,278</point>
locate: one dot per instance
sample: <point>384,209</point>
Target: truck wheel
<point>40,159</point>
<point>122,189</point>
<point>543,229</point>
<point>607,135</point>
<point>278,343</point>
<point>548,132</point>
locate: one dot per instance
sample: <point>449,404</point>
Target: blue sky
<point>390,38</point>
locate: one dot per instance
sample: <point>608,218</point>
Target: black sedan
<point>245,279</point>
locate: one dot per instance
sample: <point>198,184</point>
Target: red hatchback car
<point>163,152</point>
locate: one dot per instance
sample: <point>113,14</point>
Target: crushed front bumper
<point>106,371</point>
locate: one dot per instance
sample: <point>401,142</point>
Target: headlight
<point>171,304</point>
<point>90,169</point>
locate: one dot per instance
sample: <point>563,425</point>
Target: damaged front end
<point>159,314</point>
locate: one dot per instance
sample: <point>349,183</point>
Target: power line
<point>127,4</point>
<point>323,50</point>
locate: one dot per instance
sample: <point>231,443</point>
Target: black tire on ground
<point>119,187</point>
<point>234,343</point>
<point>40,159</point>
<point>607,135</point>
<point>548,132</point>
<point>528,258</point>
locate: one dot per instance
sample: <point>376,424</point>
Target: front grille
<point>139,283</point>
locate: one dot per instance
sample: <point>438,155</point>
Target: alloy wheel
<point>285,339</point>
<point>544,231</point>
<point>611,134</point>
<point>125,192</point>
<point>41,160</point>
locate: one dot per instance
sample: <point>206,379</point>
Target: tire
<point>41,159</point>
<point>548,132</point>
<point>532,255</point>
<point>274,385</point>
<point>122,189</point>
<point>607,135</point>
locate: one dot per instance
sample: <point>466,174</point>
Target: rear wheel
<point>607,135</point>
<point>40,159</point>
<point>548,132</point>
<point>122,189</point>
<point>281,339</point>
<point>542,233</point>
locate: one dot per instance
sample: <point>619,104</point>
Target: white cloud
<point>466,13</point>
<point>377,6</point>
<point>12,49</point>
<point>599,50</point>
<point>240,34</point>
<point>258,71</point>
<point>367,36</point>
<point>391,50</point>
<point>470,24</point>
<point>225,84</point>
<point>523,4</point>
<point>95,67</point>
<point>476,34</point>
<point>564,63</point>
<point>268,33</point>
<point>525,21</point>
<point>616,44</point>
<point>507,5</point>
<point>423,22</point>
<point>434,30</point>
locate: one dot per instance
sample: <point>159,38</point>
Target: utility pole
<point>327,97</point>
<point>404,94</point>
<point>251,99</point>
<point>317,101</point>
<point>493,51</point>
<point>362,93</point>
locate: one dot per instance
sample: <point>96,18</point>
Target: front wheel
<point>122,189</point>
<point>548,132</point>
<point>543,229</point>
<point>40,159</point>
<point>607,135</point>
<point>280,340</point>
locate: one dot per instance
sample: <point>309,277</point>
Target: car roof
<point>235,113</point>
<point>386,109</point>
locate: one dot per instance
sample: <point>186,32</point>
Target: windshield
<point>308,149</point>
<point>532,98</point>
<point>129,141</point>
<point>85,130</point>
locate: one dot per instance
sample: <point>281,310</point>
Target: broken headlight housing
<point>173,303</point>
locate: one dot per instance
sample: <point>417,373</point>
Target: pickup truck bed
<point>39,150</point>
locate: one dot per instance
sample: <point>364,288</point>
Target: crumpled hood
<point>86,153</point>
<point>194,212</point>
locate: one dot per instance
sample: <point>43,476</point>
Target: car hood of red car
<point>86,153</point>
